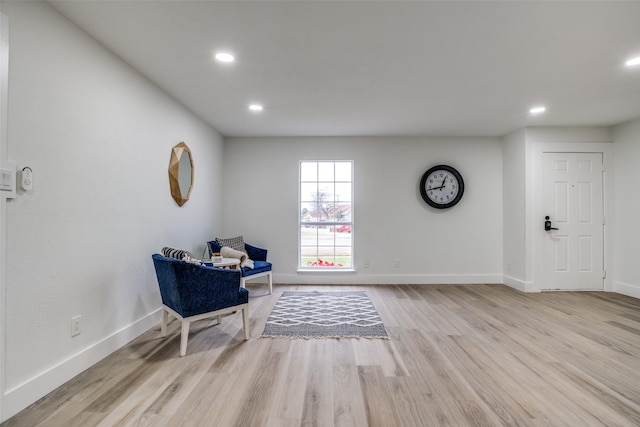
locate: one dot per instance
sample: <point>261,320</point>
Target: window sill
<point>326,270</point>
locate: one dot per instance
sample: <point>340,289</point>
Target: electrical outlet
<point>396,263</point>
<point>75,326</point>
<point>366,264</point>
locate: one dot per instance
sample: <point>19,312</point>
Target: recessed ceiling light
<point>538,110</point>
<point>633,62</point>
<point>256,107</point>
<point>225,57</point>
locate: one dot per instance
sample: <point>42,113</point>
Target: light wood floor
<point>481,355</point>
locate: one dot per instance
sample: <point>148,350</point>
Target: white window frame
<point>325,223</point>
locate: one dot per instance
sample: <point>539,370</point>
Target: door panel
<point>573,199</point>
<point>561,247</point>
<point>585,201</point>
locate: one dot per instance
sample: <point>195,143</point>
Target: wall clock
<point>441,186</point>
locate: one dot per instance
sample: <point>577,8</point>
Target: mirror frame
<point>174,168</point>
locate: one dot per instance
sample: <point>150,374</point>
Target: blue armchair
<point>194,292</point>
<point>261,268</point>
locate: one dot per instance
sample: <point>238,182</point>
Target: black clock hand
<point>444,181</point>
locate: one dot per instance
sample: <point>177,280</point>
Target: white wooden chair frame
<point>186,321</point>
<point>244,279</point>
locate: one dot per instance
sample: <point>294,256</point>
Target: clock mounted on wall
<point>442,186</point>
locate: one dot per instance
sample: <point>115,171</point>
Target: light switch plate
<point>8,179</point>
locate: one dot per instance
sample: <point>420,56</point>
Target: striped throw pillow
<point>236,243</point>
<point>175,253</point>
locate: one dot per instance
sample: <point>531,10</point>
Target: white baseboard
<point>18,398</point>
<point>354,278</point>
<point>627,289</point>
<point>518,284</point>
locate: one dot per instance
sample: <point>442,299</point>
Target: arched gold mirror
<point>181,173</point>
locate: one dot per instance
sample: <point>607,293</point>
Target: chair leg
<point>184,337</point>
<point>245,322</point>
<point>163,325</point>
<point>270,284</point>
<point>219,319</point>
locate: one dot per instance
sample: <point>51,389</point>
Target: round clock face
<point>441,186</point>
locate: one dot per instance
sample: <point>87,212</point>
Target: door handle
<point>547,224</point>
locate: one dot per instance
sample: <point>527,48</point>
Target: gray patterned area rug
<point>313,314</point>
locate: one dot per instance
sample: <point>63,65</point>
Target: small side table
<point>228,263</point>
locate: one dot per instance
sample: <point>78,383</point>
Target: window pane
<point>344,256</point>
<point>308,192</point>
<point>309,236</point>
<point>325,171</point>
<point>333,213</point>
<point>343,171</point>
<point>346,261</point>
<point>308,171</point>
<point>325,239</point>
<point>343,192</point>
<point>317,214</point>
<point>308,245</point>
<point>325,192</point>
<point>342,213</point>
<point>308,212</point>
<point>326,248</point>
<point>343,235</point>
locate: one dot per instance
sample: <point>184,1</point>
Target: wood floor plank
<point>318,397</point>
<point>348,407</point>
<point>458,355</point>
<point>380,411</point>
<point>289,395</point>
<point>413,406</point>
<point>244,368</point>
<point>256,403</point>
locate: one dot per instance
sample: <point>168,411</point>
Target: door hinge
<point>604,274</point>
<point>604,220</point>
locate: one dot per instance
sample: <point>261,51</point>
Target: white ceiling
<point>380,67</point>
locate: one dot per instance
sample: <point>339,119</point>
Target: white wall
<point>514,217</point>
<point>459,245</point>
<point>4,78</point>
<point>98,137</point>
<point>627,208</point>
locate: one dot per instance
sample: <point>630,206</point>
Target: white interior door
<point>573,200</point>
